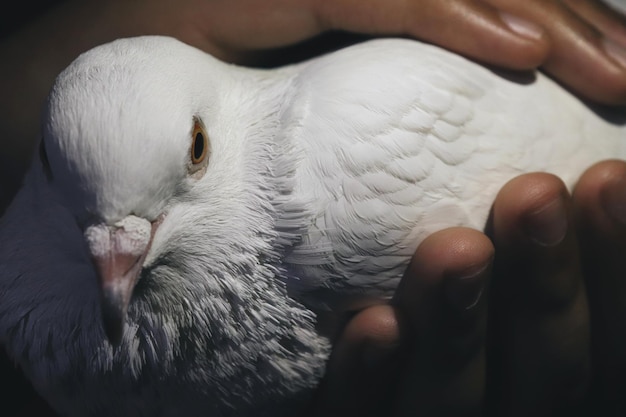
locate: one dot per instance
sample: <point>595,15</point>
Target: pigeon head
<point>124,128</point>
<point>171,184</point>
<point>130,132</point>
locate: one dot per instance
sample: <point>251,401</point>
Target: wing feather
<point>398,139</point>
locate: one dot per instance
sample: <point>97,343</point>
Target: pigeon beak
<point>118,253</point>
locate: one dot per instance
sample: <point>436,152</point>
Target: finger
<point>368,360</point>
<point>581,57</point>
<point>471,28</point>
<point>363,367</point>
<point>606,20</point>
<point>442,298</point>
<point>539,335</point>
<point>600,198</point>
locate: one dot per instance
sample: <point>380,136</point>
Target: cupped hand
<point>501,326</point>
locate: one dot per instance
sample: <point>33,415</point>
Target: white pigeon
<point>184,219</point>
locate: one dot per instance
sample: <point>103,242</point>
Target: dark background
<point>17,398</point>
<point>16,14</point>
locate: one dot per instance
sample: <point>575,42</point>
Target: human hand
<point>424,354</point>
<point>522,345</point>
<point>557,310</point>
<point>582,43</point>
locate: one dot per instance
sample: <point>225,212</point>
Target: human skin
<point>578,42</point>
<point>524,346</point>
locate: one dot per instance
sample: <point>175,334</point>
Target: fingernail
<point>522,27</point>
<point>548,225</point>
<point>464,292</point>
<point>613,200</point>
<point>615,51</point>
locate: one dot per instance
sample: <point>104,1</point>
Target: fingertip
<point>600,196</point>
<point>451,251</point>
<point>368,341</point>
<point>441,296</point>
<point>609,35</point>
<point>531,206</point>
<point>596,71</point>
<point>532,45</point>
<point>537,249</point>
<point>442,259</point>
<point>378,327</point>
<point>585,46</point>
<point>598,174</point>
<point>364,366</point>
<point>590,62</point>
<point>533,186</point>
<point>493,36</point>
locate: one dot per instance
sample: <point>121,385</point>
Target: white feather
<point>409,142</point>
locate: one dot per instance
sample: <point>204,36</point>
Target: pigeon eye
<point>199,144</point>
<point>199,150</point>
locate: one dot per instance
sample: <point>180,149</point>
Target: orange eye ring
<point>199,143</point>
